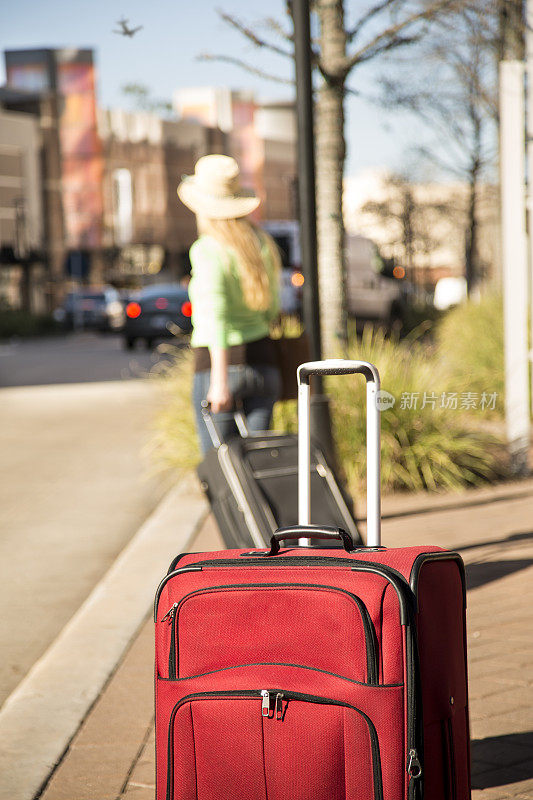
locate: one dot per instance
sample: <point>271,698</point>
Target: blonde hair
<point>245,239</point>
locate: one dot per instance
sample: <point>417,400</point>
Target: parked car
<point>372,294</point>
<point>286,235</point>
<point>157,312</point>
<point>290,291</point>
<point>92,308</point>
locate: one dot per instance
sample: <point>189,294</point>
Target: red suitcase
<point>314,674</point>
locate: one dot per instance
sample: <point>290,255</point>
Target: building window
<point>122,206</point>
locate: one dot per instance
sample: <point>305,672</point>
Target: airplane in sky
<point>125,30</point>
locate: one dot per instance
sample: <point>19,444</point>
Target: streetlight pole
<point>306,172</point>
<point>320,417</point>
<point>529,158</point>
<point>514,236</point>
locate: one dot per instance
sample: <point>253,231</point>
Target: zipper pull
<point>170,613</point>
<point>414,768</point>
<point>279,706</point>
<point>265,705</point>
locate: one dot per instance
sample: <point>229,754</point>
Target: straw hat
<point>214,191</point>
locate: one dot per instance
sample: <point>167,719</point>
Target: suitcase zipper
<point>278,704</point>
<point>265,695</point>
<point>172,616</point>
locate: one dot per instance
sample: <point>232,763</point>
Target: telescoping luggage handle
<point>336,366</point>
<point>238,416</point>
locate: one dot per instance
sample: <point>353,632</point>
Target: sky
<point>163,56</point>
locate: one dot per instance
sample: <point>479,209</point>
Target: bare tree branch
<point>389,35</point>
<point>243,65</point>
<point>276,27</point>
<point>392,44</point>
<point>370,14</point>
<point>448,165</point>
<point>251,36</point>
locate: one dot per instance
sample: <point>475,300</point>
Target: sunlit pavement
<point>74,483</point>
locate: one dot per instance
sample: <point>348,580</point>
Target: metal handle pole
<point>373,466</point>
<point>304,459</point>
<point>373,441</point>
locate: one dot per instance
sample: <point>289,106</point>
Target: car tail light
<point>297,279</point>
<point>186,309</point>
<point>161,303</point>
<point>133,310</point>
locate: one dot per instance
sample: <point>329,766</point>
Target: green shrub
<point>428,447</point>
<point>22,323</point>
<point>424,447</point>
<point>174,442</point>
<point>469,342</point>
<point>419,319</point>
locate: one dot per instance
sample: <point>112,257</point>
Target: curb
<point>40,717</point>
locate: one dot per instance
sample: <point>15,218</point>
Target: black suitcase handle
<point>310,532</point>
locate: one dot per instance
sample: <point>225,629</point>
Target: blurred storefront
<point>22,268</point>
<point>57,87</point>
<point>147,232</point>
<point>89,195</point>
<point>261,136</point>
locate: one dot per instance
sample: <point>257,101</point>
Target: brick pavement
<point>112,756</point>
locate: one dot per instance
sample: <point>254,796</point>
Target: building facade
<point>261,136</point>
<point>22,273</point>
<point>147,231</point>
<point>422,226</point>
<point>58,87</point>
<point>97,188</point>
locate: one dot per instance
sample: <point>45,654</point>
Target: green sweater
<point>220,317</point>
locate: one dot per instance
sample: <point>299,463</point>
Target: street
<point>72,358</point>
<point>74,483</point>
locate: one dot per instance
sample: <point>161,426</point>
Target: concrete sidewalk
<point>112,755</point>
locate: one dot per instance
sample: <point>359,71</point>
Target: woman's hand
<point>219,396</point>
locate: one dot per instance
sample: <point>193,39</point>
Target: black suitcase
<point>251,482</point>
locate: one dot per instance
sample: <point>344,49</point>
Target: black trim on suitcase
<point>445,555</point>
<point>190,568</point>
<point>282,664</point>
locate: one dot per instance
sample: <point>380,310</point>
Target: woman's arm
<point>219,394</point>
<point>209,302</point>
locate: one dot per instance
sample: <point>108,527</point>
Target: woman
<point>234,295</point>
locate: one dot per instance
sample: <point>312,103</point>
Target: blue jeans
<point>257,387</point>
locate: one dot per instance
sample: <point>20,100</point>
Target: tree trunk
<point>330,155</point>
<point>471,249</point>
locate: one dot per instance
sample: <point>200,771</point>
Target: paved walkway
<point>74,489</point>
<point>112,756</point>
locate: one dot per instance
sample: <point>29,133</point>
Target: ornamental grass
<point>442,432</point>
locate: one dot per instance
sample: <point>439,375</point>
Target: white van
<point>370,295</point>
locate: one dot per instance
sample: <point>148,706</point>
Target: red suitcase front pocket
<point>306,624</point>
<point>273,745</point>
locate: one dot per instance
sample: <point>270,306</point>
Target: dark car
<point>290,291</point>
<point>98,309</point>
<point>157,312</point>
